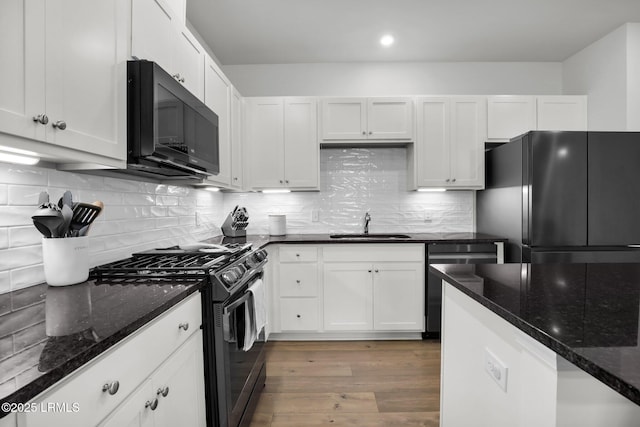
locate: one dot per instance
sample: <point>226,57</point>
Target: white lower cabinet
<point>173,396</point>
<point>166,353</point>
<point>347,290</point>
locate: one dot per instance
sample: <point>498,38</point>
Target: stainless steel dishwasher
<point>447,253</point>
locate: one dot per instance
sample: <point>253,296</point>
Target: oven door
<point>244,370</point>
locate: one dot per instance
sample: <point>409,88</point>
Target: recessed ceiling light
<point>387,40</point>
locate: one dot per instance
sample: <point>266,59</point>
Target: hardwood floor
<point>351,383</point>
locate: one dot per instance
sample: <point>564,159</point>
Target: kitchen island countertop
<point>586,313</point>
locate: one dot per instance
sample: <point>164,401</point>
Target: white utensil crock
<point>66,260</point>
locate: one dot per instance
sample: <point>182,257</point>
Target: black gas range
<point>235,371</point>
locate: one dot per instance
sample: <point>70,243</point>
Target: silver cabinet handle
<point>153,404</point>
<point>370,133</point>
<point>183,326</point>
<point>111,387</point>
<point>298,316</point>
<point>453,180</point>
<point>369,271</point>
<point>448,180</point>
<point>281,182</point>
<point>364,132</point>
<point>298,282</point>
<point>286,180</point>
<point>60,124</point>
<point>376,270</point>
<point>176,76</point>
<point>41,118</point>
<point>235,178</point>
<point>163,391</point>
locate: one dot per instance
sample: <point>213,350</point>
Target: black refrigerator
<point>564,197</point>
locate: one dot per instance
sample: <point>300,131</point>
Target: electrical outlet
<point>428,217</point>
<point>315,216</point>
<point>496,369</point>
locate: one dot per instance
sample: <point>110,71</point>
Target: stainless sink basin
<point>369,236</point>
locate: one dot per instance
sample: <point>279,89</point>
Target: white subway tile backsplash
<point>26,175</point>
<point>141,215</point>
<point>4,196</point>
<point>4,238</point>
<point>24,236</point>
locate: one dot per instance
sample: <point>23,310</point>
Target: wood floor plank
<point>348,356</point>
<point>301,384</point>
<point>430,368</point>
<point>412,419</point>
<point>410,345</point>
<point>408,401</point>
<point>308,369</point>
<point>302,403</point>
<point>261,420</point>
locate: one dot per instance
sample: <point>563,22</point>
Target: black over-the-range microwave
<point>171,133</point>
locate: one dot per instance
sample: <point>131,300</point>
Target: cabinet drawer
<point>129,362</point>
<point>298,253</point>
<point>299,280</point>
<point>299,314</point>
<point>374,252</point>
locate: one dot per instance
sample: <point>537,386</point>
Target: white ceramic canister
<point>66,260</point>
<point>277,225</point>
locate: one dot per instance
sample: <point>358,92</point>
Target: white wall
<point>600,71</point>
<point>380,79</point>
<point>608,72</point>
<point>137,216</point>
<point>352,182</point>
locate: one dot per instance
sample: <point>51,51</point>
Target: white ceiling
<point>308,31</point>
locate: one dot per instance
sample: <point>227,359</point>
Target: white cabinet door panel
<point>468,133</point>
<point>299,314</point>
<point>153,32</point>
<point>432,145</point>
<point>562,112</point>
<point>398,296</point>
<point>74,65</point>
<point>218,98</point>
<point>265,135</point>
<point>344,118</point>
<point>509,116</point>
<point>390,118</point>
<point>348,296</point>
<point>188,62</point>
<point>301,149</point>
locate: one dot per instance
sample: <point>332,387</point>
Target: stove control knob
<point>239,271</point>
<point>260,255</point>
<point>229,277</point>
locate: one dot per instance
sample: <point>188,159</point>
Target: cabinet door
<point>398,296</point>
<point>236,140</point>
<point>562,112</point>
<point>85,68</point>
<point>217,97</point>
<point>468,134</point>
<point>182,378</point>
<point>153,32</point>
<point>298,314</point>
<point>301,149</point>
<point>509,116</point>
<point>432,142</point>
<point>344,118</point>
<point>136,410</point>
<point>188,62</point>
<point>390,118</point>
<point>348,296</point>
<point>22,26</point>
<point>265,136</point>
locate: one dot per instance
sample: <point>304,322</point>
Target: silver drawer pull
<point>163,391</point>
<point>183,326</point>
<point>60,124</point>
<point>112,387</point>
<point>298,282</point>
<point>153,404</point>
<point>41,118</point>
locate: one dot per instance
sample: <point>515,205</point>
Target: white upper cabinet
<point>217,97</point>
<point>367,119</point>
<point>449,148</point>
<point>562,112</point>
<point>237,169</point>
<point>66,85</point>
<point>509,116</point>
<point>157,34</point>
<point>512,115</point>
<point>281,145</point>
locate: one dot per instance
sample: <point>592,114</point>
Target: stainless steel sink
<point>369,236</point>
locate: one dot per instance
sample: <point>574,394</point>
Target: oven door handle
<point>226,314</point>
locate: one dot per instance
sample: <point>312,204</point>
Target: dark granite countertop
<point>47,332</point>
<point>586,313</point>
<point>265,239</point>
